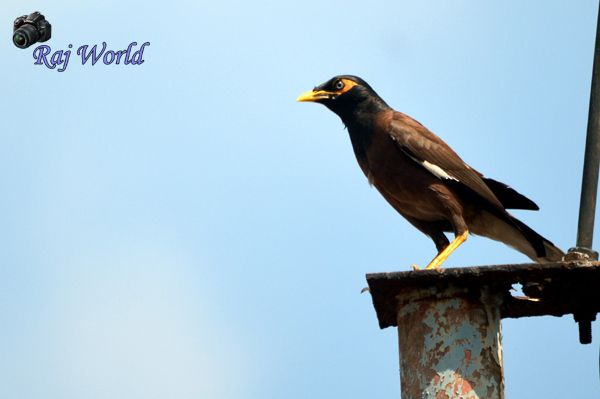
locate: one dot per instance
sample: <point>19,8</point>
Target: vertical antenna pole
<point>589,182</point>
<point>589,188</point>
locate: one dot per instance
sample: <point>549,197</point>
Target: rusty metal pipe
<point>450,344</point>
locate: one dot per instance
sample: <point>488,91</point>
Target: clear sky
<point>184,229</point>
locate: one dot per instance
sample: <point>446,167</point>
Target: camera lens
<point>19,40</point>
<point>25,36</point>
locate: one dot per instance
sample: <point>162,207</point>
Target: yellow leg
<point>442,256</point>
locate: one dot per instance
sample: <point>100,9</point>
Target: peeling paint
<point>450,346</point>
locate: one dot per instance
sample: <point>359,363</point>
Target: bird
<point>423,179</point>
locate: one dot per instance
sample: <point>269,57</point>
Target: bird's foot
<point>428,267</point>
<point>435,265</point>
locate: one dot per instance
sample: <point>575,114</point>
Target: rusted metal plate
<point>552,289</point>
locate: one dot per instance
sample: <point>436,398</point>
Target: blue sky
<point>184,228</point>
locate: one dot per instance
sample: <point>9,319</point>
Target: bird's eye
<point>339,85</point>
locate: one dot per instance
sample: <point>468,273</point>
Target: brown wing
<point>436,156</point>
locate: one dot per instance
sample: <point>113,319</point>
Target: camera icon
<point>30,29</point>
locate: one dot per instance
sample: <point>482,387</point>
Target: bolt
<point>585,331</point>
<point>584,320</point>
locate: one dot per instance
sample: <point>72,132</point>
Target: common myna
<point>424,179</point>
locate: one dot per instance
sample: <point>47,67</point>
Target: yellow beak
<point>313,96</point>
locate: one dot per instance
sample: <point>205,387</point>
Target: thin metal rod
<point>589,182</point>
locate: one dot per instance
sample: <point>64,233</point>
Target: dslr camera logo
<point>33,28</point>
<point>30,29</point>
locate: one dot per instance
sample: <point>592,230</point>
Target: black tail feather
<point>509,197</point>
<point>543,247</point>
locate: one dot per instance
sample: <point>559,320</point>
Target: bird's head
<point>346,95</point>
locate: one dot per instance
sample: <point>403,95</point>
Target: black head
<point>346,95</point>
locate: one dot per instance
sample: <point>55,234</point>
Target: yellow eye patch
<point>348,84</point>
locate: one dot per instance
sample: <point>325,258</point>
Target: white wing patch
<point>437,171</point>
